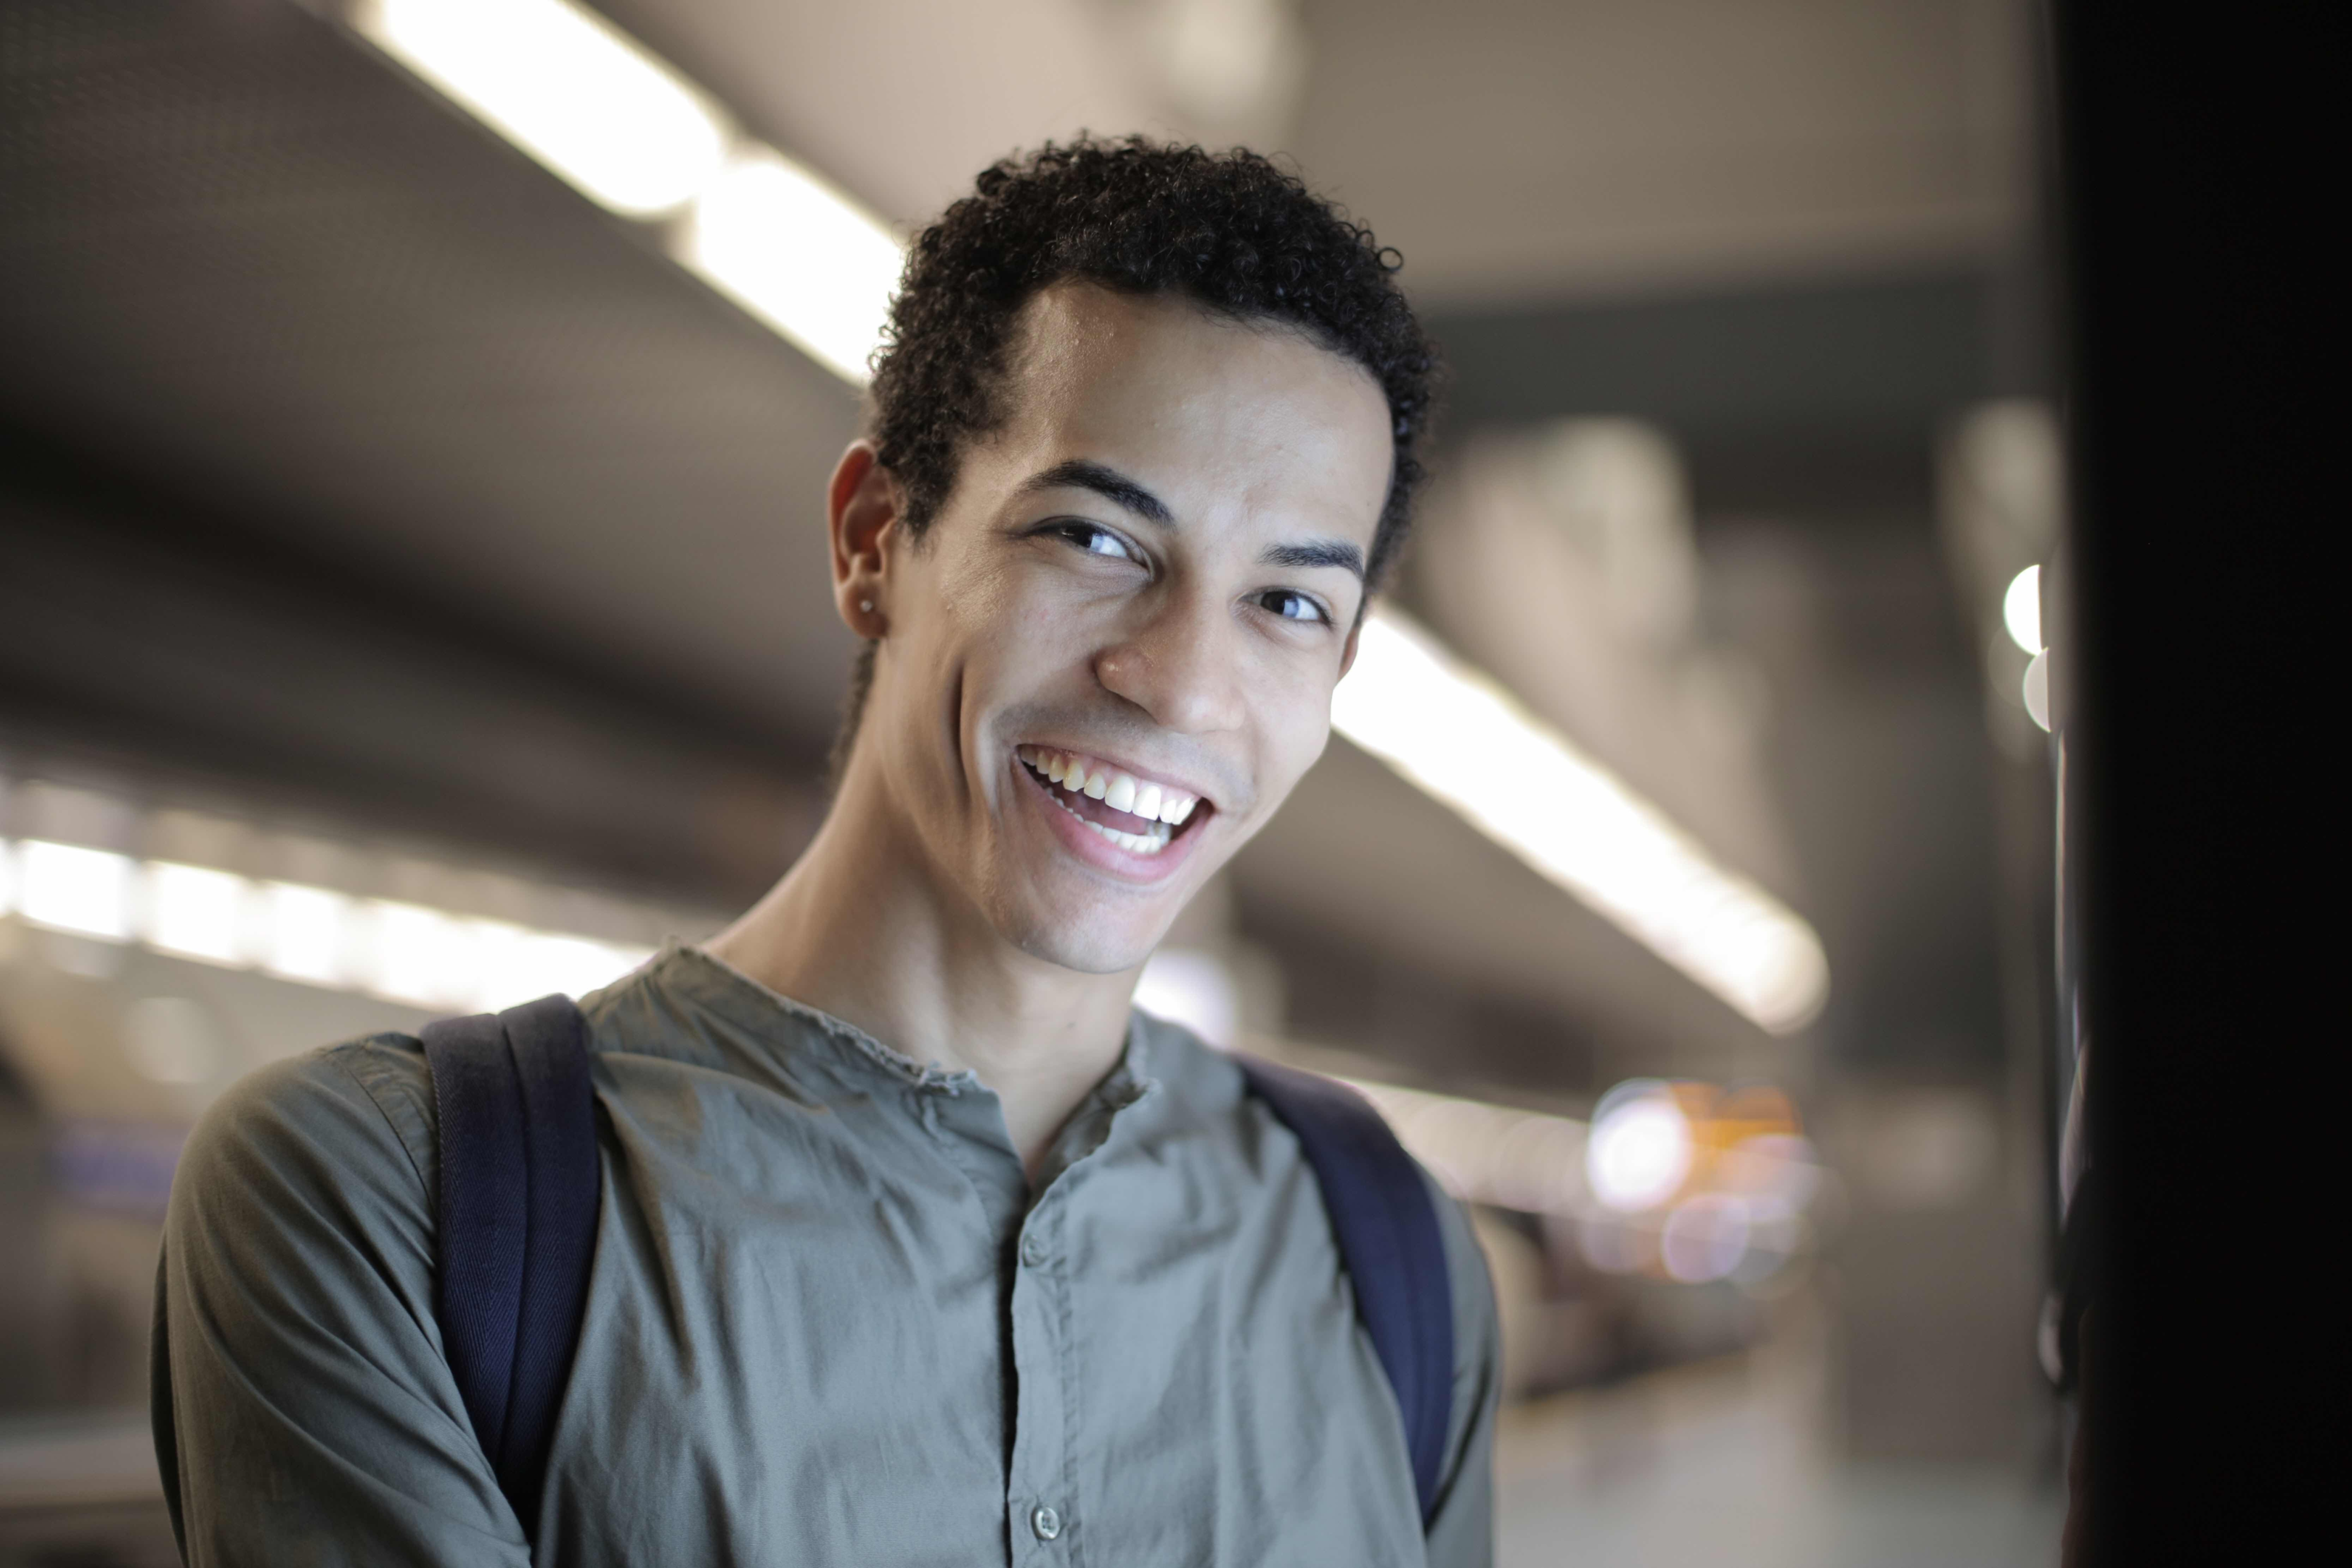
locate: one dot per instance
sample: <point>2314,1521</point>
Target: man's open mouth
<point>1137,814</point>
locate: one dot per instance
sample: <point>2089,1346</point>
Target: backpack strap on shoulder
<point>1389,1238</point>
<point>520,1187</point>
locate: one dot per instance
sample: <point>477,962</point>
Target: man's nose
<point>1179,667</point>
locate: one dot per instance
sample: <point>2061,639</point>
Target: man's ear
<point>861,507</point>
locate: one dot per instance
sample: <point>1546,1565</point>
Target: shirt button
<point>1046,1523</point>
<point>1032,1253</point>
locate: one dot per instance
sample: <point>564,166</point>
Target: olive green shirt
<point>831,1321</point>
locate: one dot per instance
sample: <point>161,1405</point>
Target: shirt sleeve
<point>304,1412</point>
<point>1461,1532</point>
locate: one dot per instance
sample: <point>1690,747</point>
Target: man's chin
<point>1085,946</point>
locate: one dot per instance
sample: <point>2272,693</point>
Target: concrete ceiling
<point>903,101</point>
<point>1513,149</point>
<point>1522,151</point>
<point>239,251</point>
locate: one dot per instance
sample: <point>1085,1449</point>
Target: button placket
<point>1038,1470</point>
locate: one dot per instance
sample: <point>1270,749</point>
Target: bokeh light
<point>1640,1149</point>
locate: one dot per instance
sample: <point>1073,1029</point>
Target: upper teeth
<point>1119,791</point>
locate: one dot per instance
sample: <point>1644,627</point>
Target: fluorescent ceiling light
<point>432,958</point>
<point>410,953</point>
<point>402,952</point>
<point>799,255</point>
<point>1455,733</point>
<point>195,911</point>
<point>542,963</point>
<point>594,106</point>
<point>305,933</point>
<point>68,887</point>
<point>2020,610</point>
<point>565,86</point>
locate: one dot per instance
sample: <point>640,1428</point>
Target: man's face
<point>1138,594</point>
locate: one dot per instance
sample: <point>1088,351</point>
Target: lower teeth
<point>1134,843</point>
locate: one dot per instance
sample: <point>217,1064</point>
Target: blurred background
<point>413,422</point>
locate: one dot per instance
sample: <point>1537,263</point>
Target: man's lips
<point>1139,816</point>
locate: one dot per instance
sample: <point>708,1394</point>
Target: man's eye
<point>1097,541</point>
<point>1291,606</point>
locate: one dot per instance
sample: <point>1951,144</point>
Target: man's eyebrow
<point>1317,553</point>
<point>1109,483</point>
<point>1081,473</point>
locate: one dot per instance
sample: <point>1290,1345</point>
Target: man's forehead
<point>1161,382</point>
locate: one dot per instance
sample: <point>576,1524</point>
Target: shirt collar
<point>703,980</point>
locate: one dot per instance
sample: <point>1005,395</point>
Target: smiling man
<point>916,1244</point>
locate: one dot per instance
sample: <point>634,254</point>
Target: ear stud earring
<point>865,607</point>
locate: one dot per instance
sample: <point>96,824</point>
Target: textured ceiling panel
<point>1522,152</point>
<point>239,249</point>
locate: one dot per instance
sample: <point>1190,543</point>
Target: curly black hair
<point>1231,231</point>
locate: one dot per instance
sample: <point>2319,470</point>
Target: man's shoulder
<point>1220,1083</point>
<point>387,1070</point>
<point>1201,1079</point>
<point>348,1116</point>
<point>1212,1084</point>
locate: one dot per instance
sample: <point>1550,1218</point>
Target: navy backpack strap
<point>520,1187</point>
<point>1389,1238</point>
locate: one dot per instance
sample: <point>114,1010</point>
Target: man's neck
<point>861,929</point>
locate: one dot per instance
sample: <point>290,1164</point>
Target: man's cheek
<point>1306,732</point>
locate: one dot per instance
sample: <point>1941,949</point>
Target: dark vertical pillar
<point>2195,710</point>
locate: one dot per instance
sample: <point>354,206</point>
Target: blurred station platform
<point>1730,1461</point>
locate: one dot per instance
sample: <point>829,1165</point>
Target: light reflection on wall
<point>408,950</point>
<point>382,947</point>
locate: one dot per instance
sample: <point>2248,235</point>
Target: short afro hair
<point>1231,231</point>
